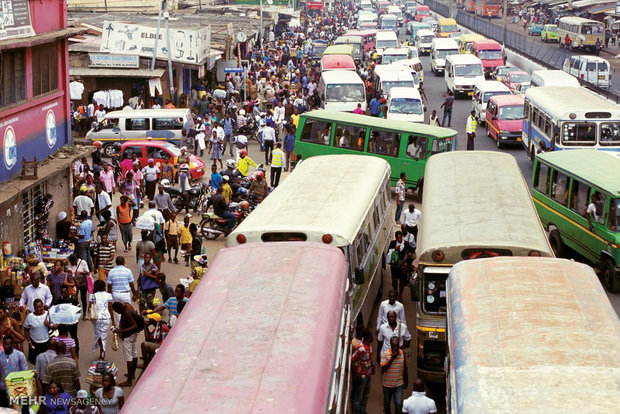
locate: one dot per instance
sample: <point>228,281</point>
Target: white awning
<point>116,73</point>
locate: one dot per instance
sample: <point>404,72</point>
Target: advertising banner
<point>15,19</point>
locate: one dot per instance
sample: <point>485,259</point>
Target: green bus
<point>577,195</point>
<point>406,146</point>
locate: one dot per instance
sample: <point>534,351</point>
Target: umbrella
<point>65,313</point>
<point>145,223</point>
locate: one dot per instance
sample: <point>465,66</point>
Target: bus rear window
<point>574,133</point>
<point>469,254</point>
<point>610,133</point>
<point>434,294</point>
<point>443,145</point>
<point>278,237</point>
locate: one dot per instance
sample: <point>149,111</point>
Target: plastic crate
<point>21,383</point>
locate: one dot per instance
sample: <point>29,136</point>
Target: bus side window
<point>314,131</point>
<point>600,205</point>
<point>350,137</point>
<point>541,178</point>
<point>377,143</point>
<point>417,147</point>
<point>579,197</point>
<point>559,188</point>
<point>614,215</point>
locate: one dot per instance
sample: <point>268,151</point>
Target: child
<point>185,238</point>
<point>171,231</point>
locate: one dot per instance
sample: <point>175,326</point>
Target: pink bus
<point>368,38</point>
<point>266,331</point>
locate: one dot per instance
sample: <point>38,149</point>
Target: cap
<point>188,215</point>
<point>183,148</point>
<point>82,394</point>
<point>224,177</point>
<point>151,160</point>
<point>154,316</point>
<point>61,216</point>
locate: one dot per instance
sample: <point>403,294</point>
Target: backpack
<point>139,321</point>
<point>395,258</point>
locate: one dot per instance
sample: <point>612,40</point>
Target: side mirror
<point>494,117</point>
<point>424,109</point>
<point>359,275</point>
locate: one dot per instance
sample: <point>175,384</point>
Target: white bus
<point>553,77</point>
<point>569,118</point>
<point>387,77</point>
<point>341,200</point>
<point>463,73</point>
<point>384,40</point>
<point>582,32</point>
<point>441,48</point>
<point>342,90</point>
<point>405,104</point>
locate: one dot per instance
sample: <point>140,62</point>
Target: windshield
<point>318,49</point>
<point>511,113</point>
<point>490,55</point>
<point>449,28</point>
<point>488,95</point>
<point>519,78</point>
<point>386,86</point>
<point>414,52</point>
<point>345,92</point>
<point>444,53</point>
<point>383,44</point>
<point>524,87</point>
<point>552,29</point>
<point>424,12</point>
<point>392,58</point>
<point>592,29</point>
<point>610,133</point>
<point>406,106</point>
<point>426,39</point>
<point>473,69</point>
<point>173,149</point>
<point>356,47</point>
<point>388,24</point>
<point>592,66</point>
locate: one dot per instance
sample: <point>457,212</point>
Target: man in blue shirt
<point>85,230</point>
<point>216,178</point>
<point>11,360</point>
<point>227,124</point>
<point>121,284</point>
<point>375,106</point>
<point>172,303</point>
<point>289,146</point>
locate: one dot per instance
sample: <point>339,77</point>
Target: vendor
<point>33,265</point>
<point>63,227</point>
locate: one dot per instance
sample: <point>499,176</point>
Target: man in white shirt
<point>100,114</point>
<point>157,215</point>
<point>150,176</point>
<point>83,203</point>
<point>391,304</point>
<point>269,137</point>
<point>411,219</point>
<point>35,290</point>
<point>393,328</point>
<point>103,202</point>
<point>278,118</point>
<point>419,403</point>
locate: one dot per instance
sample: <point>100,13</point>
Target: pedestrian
<point>419,403</point>
<point>123,212</point>
<point>127,329</point>
<point>111,398</point>
<point>394,369</point>
<point>172,304</point>
<point>185,238</point>
<point>411,219</point>
<point>227,124</point>
<point>77,275</point>
<point>215,149</point>
<point>434,119</point>
<point>104,257</point>
<point>62,370</point>
<point>362,368</point>
<point>109,226</point>
<point>165,289</point>
<point>400,197</point>
<point>422,95</point>
<point>276,165</point>
<point>390,304</point>
<point>83,405</point>
<point>163,202</point>
<point>278,118</point>
<point>121,283</point>
<point>470,129</point>
<point>447,110</point>
<point>289,146</point>
<point>269,139</point>
<point>375,106</point>
<point>36,331</point>
<point>598,46</point>
<point>44,358</point>
<point>150,173</point>
<point>102,302</point>
<point>358,110</point>
<point>396,253</point>
<point>147,281</point>
<point>35,290</point>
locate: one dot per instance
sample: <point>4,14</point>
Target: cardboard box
<point>21,383</point>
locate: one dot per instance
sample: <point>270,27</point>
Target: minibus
<point>413,27</point>
<point>340,50</point>
<point>387,77</point>
<point>405,104</point>
<point>552,77</point>
<point>440,49</point>
<point>577,198</point>
<point>423,40</point>
<point>394,54</point>
<point>342,90</point>
<point>590,69</point>
<point>389,22</point>
<point>490,54</point>
<point>446,26</point>
<point>396,11</point>
<point>464,41</point>
<point>416,67</point>
<point>356,42</point>
<point>368,39</point>
<point>405,145</point>
<point>337,62</point>
<point>421,12</point>
<point>583,33</point>
<point>384,40</point>
<point>157,124</point>
<point>463,73</point>
<point>521,330</point>
<point>482,93</point>
<point>504,119</point>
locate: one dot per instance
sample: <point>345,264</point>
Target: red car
<point>160,150</point>
<point>512,79</point>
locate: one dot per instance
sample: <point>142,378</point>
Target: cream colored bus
<point>476,204</point>
<point>583,33</point>
<point>341,200</point>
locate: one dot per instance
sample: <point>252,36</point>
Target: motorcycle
<point>250,129</point>
<point>212,225</point>
<point>195,196</point>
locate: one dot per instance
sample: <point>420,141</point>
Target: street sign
<point>233,70</point>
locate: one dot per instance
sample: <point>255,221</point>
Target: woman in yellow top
<point>226,190</point>
<point>186,239</point>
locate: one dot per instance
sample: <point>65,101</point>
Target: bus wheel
<point>611,282</point>
<point>556,242</point>
<point>498,142</point>
<point>109,150</point>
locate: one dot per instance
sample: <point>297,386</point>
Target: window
<point>134,150</point>
<point>582,133</point>
<point>31,198</point>
<point>156,153</point>
<point>614,215</point>
<point>559,188</point>
<point>361,246</point>
<point>13,67</point>
<point>417,147</point>
<point>350,137</point>
<point>579,197</point>
<point>541,178</point>
<point>442,145</point>
<point>599,201</point>
<point>167,123</point>
<point>610,133</point>
<point>384,143</point>
<point>318,132</point>
<point>44,69</point>
<point>137,124</point>
<point>110,123</point>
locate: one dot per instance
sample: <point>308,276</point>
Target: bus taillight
<point>241,239</point>
<point>437,256</point>
<point>534,253</point>
<point>327,238</point>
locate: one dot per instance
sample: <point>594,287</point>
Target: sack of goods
<point>96,370</point>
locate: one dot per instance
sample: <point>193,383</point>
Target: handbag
<point>92,311</point>
<point>72,289</point>
<point>52,332</point>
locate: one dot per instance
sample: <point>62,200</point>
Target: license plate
<point>469,93</point>
<point>519,139</point>
<point>601,76</point>
<point>433,335</point>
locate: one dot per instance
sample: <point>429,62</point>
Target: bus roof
<point>302,204</point>
<point>341,76</point>
<point>487,44</point>
<point>554,77</point>
<point>446,21</point>
<point>478,199</point>
<point>578,20</point>
<point>470,37</point>
<point>560,101</point>
<point>464,59</point>
<point>508,99</point>
<point>257,335</point>
<point>371,121</point>
<point>333,62</point>
<point>347,38</point>
<point>386,35</point>
<point>599,168</point>
<point>530,335</point>
<point>404,92</point>
<point>136,113</point>
<point>343,49</point>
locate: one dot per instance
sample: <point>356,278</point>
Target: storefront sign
<point>15,19</point>
<point>187,46</point>
<point>617,7</point>
<point>318,5</point>
<point>233,70</point>
<point>102,60</point>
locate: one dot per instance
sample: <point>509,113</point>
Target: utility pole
<point>170,77</point>
<point>261,25</point>
<point>505,22</point>
<point>157,35</point>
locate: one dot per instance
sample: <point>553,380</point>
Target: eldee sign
<point>101,60</point>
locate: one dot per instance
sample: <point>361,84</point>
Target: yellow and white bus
<point>341,200</point>
<point>530,335</point>
<point>476,204</point>
<point>582,32</point>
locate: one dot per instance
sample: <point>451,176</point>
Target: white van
<point>394,54</point>
<point>415,65</point>
<point>546,77</point>
<point>483,92</point>
<point>405,104</point>
<point>590,69</point>
<point>384,40</point>
<point>463,73</point>
<point>389,22</point>
<point>396,11</point>
<point>423,40</point>
<point>387,77</point>
<point>441,48</point>
<point>342,90</point>
<point>157,124</point>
